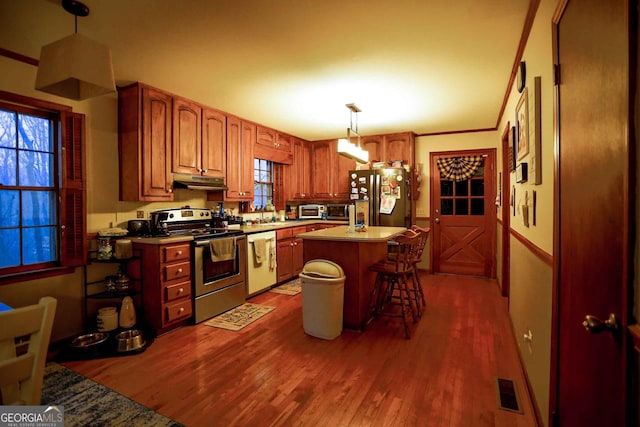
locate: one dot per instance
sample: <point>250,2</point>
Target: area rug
<point>239,317</point>
<point>293,287</point>
<point>87,403</point>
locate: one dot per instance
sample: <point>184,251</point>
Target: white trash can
<point>322,298</point>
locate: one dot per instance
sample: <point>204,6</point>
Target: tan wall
<point>530,308</point>
<point>531,282</point>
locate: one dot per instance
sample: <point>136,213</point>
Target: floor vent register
<point>507,395</point>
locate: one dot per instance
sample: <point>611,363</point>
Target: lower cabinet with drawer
<point>166,280</point>
<point>289,252</point>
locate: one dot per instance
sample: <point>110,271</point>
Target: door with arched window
<point>463,212</point>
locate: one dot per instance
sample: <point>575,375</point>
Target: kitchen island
<point>354,252</point>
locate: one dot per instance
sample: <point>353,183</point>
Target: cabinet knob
<point>204,170</point>
<point>179,270</point>
<point>181,290</point>
<point>181,310</point>
<point>179,252</point>
<point>291,244</point>
<point>169,190</point>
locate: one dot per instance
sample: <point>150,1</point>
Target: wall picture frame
<point>511,149</point>
<point>535,132</point>
<point>522,125</point>
<point>521,173</point>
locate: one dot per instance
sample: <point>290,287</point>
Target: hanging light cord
<point>351,121</point>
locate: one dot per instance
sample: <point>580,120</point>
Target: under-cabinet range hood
<point>194,182</point>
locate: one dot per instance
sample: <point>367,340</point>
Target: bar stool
<point>419,291</point>
<point>393,279</point>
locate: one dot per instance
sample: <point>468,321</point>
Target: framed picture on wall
<point>513,136</point>
<point>522,126</point>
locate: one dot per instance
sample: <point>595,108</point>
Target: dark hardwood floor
<point>272,373</point>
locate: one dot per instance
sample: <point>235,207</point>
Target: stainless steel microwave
<point>338,211</point>
<point>311,211</point>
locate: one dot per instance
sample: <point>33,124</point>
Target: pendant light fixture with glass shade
<point>347,147</point>
<point>75,67</point>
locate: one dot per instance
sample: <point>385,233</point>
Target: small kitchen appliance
<point>311,211</point>
<point>338,211</point>
<point>138,227</point>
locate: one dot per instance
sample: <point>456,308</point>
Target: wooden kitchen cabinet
<point>187,137</point>
<point>284,257</point>
<point>289,252</point>
<point>298,254</point>
<point>283,142</point>
<point>389,147</point>
<point>145,117</point>
<point>273,145</point>
<point>199,139</point>
<point>166,282</point>
<point>299,173</point>
<point>340,183</point>
<point>322,166</point>
<point>400,146</point>
<point>241,137</point>
<point>214,143</point>
<point>374,145</point>
<point>330,171</point>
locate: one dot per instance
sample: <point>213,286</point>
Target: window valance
<point>459,168</point>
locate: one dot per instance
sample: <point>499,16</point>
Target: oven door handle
<point>200,243</point>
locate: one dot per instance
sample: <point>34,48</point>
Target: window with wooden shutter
<point>42,188</point>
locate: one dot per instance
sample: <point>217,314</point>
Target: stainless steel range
<point>218,259</point>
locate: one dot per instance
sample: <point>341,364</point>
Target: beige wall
<point>531,280</point>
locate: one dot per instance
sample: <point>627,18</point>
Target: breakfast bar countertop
<point>340,233</point>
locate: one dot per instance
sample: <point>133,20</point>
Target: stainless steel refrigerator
<point>387,192</point>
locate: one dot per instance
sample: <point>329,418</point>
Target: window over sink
<point>262,183</point>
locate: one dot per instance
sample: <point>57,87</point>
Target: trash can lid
<point>323,268</point>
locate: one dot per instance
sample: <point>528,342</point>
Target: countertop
<point>268,226</point>
<point>372,234</point>
<point>247,229</point>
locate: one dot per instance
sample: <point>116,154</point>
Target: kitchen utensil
<point>123,284</point>
<point>130,340</point>
<point>107,319</point>
<point>89,340</point>
<point>127,313</point>
<point>138,227</point>
<point>124,249</point>
<point>110,284</point>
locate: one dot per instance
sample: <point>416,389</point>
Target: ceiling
<point>410,65</point>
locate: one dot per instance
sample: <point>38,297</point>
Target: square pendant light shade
<point>75,67</point>
<point>352,151</point>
